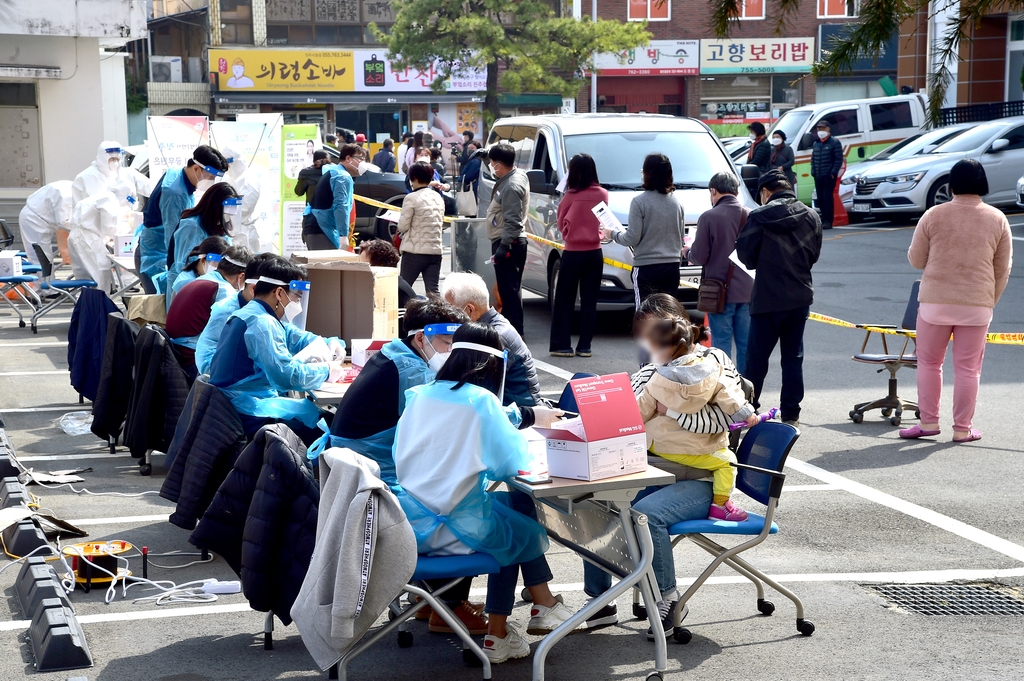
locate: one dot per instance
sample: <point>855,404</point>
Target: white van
<point>864,126</point>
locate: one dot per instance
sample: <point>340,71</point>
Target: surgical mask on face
<point>494,171</point>
<point>822,134</point>
<point>363,167</point>
<point>204,184</point>
<point>777,141</point>
<point>292,310</point>
<point>113,163</point>
<point>753,136</point>
<point>437,361</point>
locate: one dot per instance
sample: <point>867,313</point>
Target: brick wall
<point>981,78</point>
<point>912,63</point>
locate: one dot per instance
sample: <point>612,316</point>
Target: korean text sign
<point>757,55</point>
<point>262,70</point>
<point>659,58</point>
<point>172,140</point>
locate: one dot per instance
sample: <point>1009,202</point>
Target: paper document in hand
<point>574,426</point>
<point>607,218</point>
<point>390,215</point>
<point>562,184</point>
<point>735,260</point>
<point>317,351</point>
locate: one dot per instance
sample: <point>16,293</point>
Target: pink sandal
<point>915,432</point>
<point>975,435</point>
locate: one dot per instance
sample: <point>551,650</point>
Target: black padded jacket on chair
<point>115,387</point>
<point>158,394</point>
<point>263,520</point>
<point>87,335</point>
<point>206,444</point>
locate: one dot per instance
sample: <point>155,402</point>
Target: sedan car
<point>911,186</point>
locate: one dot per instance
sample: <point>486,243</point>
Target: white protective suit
<point>246,182</point>
<point>46,210</point>
<point>108,174</point>
<point>93,226</point>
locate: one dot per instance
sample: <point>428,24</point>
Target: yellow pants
<point>717,463</point>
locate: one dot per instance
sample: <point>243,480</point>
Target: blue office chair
<point>453,568</point>
<point>567,401</point>
<point>67,291</point>
<point>18,285</point>
<point>761,458</point>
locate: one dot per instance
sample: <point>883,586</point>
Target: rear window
<point>891,116</point>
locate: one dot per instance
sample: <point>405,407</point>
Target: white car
<point>1020,191</point>
<point>913,185</point>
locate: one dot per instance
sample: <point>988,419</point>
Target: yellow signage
<point>302,70</point>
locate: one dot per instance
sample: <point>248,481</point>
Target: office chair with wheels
<point>65,291</point>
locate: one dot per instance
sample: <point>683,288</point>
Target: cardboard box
<point>606,440</point>
<point>363,349</point>
<point>10,264</point>
<point>348,298</point>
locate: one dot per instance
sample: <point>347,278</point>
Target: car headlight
<point>911,179</point>
<point>852,179</point>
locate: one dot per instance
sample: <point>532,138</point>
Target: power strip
<point>215,587</point>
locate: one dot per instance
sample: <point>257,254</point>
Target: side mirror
<point>807,141</point>
<point>999,145</point>
<point>539,182</point>
<point>750,174</point>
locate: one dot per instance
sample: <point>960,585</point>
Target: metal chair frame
<point>62,295</point>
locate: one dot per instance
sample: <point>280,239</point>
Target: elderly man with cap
<point>781,240</point>
<point>826,163</point>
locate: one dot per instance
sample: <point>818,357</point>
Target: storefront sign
<point>298,142</point>
<point>660,58</point>
<point>172,139</point>
<point>334,70</point>
<point>756,55</point>
<point>883,61</point>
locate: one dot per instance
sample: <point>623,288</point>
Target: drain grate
<point>950,599</point>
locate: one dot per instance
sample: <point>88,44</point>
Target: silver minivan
<point>619,143</point>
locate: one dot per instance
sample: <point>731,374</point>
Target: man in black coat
<point>781,241</point>
<point>305,185</point>
<point>826,162</point>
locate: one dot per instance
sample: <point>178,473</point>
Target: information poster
<point>270,192</point>
<point>171,140</point>
<point>250,140</point>
<point>298,142</point>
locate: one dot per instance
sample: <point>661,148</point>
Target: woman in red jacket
<point>582,260</point>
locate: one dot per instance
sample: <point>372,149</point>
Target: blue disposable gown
<point>333,221</point>
<point>271,345</point>
<point>174,198</point>
<point>226,290</point>
<point>206,346</point>
<point>189,234</point>
<point>450,445</point>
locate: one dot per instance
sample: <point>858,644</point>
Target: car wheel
<point>553,281</point>
<point>385,229</point>
<point>939,193</point>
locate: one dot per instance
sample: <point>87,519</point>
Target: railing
<point>977,113</point>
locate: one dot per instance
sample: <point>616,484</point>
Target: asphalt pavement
<point>861,508</point>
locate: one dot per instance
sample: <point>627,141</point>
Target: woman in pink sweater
<point>966,251</point>
<point>582,260</point>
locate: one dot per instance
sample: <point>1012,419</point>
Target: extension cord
<point>216,587</point>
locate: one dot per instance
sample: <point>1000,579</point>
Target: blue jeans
<point>733,323</point>
<point>663,506</point>
<point>501,586</point>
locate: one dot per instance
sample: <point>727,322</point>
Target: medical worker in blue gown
<point>173,195</point>
<point>255,363</point>
<point>453,440</point>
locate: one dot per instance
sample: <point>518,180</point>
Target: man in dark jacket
<point>826,162</point>
<point>782,241</point>
<point>310,175</point>
<point>760,150</point>
<point>385,158</point>
<point>713,245</point>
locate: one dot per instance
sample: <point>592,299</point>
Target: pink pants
<point>968,354</point>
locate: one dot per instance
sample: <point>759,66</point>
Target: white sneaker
<point>511,647</point>
<point>544,620</point>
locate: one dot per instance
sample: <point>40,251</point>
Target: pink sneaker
<point>728,512</point>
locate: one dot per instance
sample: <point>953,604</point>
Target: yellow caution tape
<point>994,338</point>
<point>385,206</point>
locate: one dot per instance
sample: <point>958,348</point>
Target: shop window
<point>838,8</point>
<point>649,10</point>
<point>751,9</point>
<point>670,109</point>
<point>277,35</point>
<point>17,94</point>
<point>326,22</point>
<point>842,122</point>
<point>891,116</point>
<point>1017,30</point>
<point>236,22</point>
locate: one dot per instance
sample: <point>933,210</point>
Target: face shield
<point>212,261</point>
<point>301,289</point>
<point>232,209</point>
<point>109,157</point>
<point>439,338</point>
<point>486,349</point>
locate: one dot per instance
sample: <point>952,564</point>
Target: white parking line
<point>72,457</point>
<point>32,410</point>
<point>124,520</point>
<point>33,373</point>
<point>552,369</point>
<point>961,529</point>
<point>143,615</point>
<point>37,344</point>
<point>789,489</point>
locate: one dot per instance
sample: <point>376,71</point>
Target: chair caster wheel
<point>639,611</point>
<point>35,330</point>
<point>682,635</point>
<point>856,416</point>
<point>805,627</point>
<point>525,595</point>
<point>765,607</point>
<point>470,659</point>
<point>886,412</point>
<point>405,639</point>
<point>21,323</point>
<point>895,420</point>
<point>145,469</point>
<point>656,676</point>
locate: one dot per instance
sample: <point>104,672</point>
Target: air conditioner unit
<point>166,69</point>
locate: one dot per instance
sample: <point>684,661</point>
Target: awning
<point>344,97</point>
<point>529,99</point>
<point>194,17</point>
<point>28,71</point>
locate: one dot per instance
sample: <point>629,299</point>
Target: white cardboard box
<point>10,264</point>
<point>365,348</point>
<point>607,440</point>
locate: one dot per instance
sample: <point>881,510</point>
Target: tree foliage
<point>878,22</point>
<point>533,49</point>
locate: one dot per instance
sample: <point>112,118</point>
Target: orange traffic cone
<point>840,218</point>
<point>707,325</point>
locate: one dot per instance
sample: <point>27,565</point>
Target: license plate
<point>861,207</point>
<point>689,282</point>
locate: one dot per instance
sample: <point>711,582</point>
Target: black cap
<point>780,133</point>
<point>824,124</point>
<point>772,176</point>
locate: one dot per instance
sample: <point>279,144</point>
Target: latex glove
<point>337,371</point>
<point>543,417</point>
<point>502,252</point>
<point>337,347</point>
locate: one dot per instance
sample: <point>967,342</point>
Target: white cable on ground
<point>68,582</point>
<point>28,471</point>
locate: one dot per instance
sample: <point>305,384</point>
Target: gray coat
<point>510,203</point>
<point>715,241</point>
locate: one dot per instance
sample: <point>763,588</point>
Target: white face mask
<point>292,310</point>
<point>753,136</point>
<point>494,171</point>
<point>777,141</point>
<point>437,361</point>
<point>203,185</point>
<point>363,167</point>
<point>822,134</point>
<point>113,163</point>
